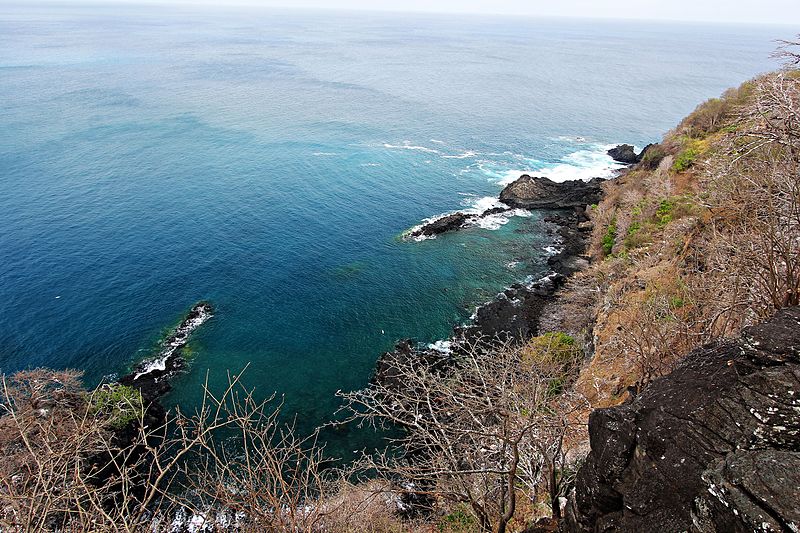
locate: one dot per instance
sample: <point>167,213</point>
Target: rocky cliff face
<point>714,446</point>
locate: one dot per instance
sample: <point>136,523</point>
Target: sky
<point>735,11</point>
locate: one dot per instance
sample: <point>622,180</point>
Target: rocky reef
<point>527,193</point>
<point>714,446</point>
<point>151,377</point>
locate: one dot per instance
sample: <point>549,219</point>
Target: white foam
<point>408,146</point>
<point>370,164</point>
<point>437,141</point>
<point>462,155</point>
<point>585,164</point>
<point>498,220</point>
<point>553,250</point>
<point>510,176</point>
<point>444,347</point>
<point>324,154</point>
<point>479,205</point>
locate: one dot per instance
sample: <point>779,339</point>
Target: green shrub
<point>555,353</point>
<point>685,159</point>
<point>610,237</point>
<point>459,521</point>
<point>638,235</point>
<point>554,346</point>
<point>664,213</point>
<point>119,404</point>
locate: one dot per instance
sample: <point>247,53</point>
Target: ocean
<point>270,160</point>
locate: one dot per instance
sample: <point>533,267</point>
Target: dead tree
<point>482,430</point>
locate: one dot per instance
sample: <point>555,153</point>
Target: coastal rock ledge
<point>712,447</point>
<point>530,192</point>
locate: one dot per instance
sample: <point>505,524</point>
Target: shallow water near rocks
<point>268,161</point>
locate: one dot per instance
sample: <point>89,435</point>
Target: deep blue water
<point>269,160</point>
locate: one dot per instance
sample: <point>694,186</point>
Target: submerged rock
<point>542,193</point>
<point>714,446</point>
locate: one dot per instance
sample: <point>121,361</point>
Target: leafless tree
<point>66,468</point>
<point>755,200</point>
<point>788,52</point>
<point>481,429</point>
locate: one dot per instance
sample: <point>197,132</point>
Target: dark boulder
<point>530,192</point>
<point>624,153</point>
<point>714,446</point>
<point>512,314</point>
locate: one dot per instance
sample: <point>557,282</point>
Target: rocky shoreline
<point>513,314</point>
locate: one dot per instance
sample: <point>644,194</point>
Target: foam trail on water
<point>408,146</point>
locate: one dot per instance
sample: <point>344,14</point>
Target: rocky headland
<point>625,153</point>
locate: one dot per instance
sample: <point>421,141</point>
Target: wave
<point>324,154</point>
<point>441,346</point>
<point>584,164</point>
<point>408,146</point>
<point>463,155</point>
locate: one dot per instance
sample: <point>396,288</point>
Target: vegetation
<point>610,237</point>
<point>487,431</point>
<point>711,244</point>
<point>118,404</point>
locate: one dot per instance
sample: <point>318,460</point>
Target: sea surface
<point>269,161</point>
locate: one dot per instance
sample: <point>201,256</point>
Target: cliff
<point>689,321</point>
<point>714,446</point>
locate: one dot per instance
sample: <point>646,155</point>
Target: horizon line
<point>245,5</point>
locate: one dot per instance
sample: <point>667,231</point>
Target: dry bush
<point>788,52</point>
<point>656,330</point>
<point>69,465</point>
<point>754,243</point>
<point>480,430</point>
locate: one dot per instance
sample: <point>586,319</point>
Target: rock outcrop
<point>624,153</point>
<point>530,192</point>
<point>151,377</point>
<point>449,222</point>
<point>714,446</point>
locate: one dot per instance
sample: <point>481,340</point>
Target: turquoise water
<point>269,160</point>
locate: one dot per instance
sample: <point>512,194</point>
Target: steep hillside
<point>699,239</point>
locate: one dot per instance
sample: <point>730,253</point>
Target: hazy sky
<point>758,11</point>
